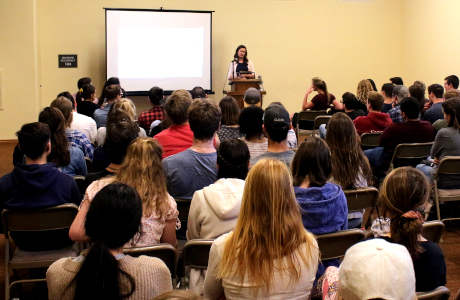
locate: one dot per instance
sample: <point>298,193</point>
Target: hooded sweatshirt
<point>373,122</point>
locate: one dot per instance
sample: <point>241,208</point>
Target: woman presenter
<point>241,63</point>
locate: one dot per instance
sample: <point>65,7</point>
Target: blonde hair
<point>269,228</point>
<point>142,170</point>
<point>364,87</point>
<point>126,105</point>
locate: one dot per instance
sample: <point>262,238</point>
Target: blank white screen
<point>167,49</point>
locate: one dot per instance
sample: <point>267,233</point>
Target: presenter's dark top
<point>242,67</point>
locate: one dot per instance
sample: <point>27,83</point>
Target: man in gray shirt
<point>276,126</point>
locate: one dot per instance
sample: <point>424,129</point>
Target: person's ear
<point>48,148</point>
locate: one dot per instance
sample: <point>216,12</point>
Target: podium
<point>239,86</point>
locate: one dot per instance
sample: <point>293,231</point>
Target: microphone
<point>261,87</point>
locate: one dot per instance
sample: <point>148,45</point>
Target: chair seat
<point>39,259</point>
<point>449,193</point>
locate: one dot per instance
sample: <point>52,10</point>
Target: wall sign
<point>67,61</point>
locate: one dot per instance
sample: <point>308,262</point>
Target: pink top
<point>152,226</point>
<point>175,139</point>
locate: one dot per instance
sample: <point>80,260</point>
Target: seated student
<point>85,100</point>
<point>276,126</point>
<point>375,121</point>
<point>399,93</point>
<point>251,121</point>
<point>352,106</point>
<point>269,254</point>
<point>434,113</point>
<point>178,137</point>
<point>403,195</point>
<point>110,94</point>
<point>104,272</point>
<point>291,137</point>
<point>323,100</point>
<point>442,123</point>
<point>37,184</point>
<point>229,128</point>
<point>198,92</point>
<point>252,97</point>
<point>214,209</point>
<point>75,137</point>
<point>195,168</point>
<point>155,113</point>
<point>362,93</point>
<point>387,92</point>
<point>69,159</point>
<point>411,131</point>
<point>373,269</point>
<point>141,169</point>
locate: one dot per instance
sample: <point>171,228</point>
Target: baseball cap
<point>377,269</point>
<point>401,92</point>
<point>276,116</point>
<point>252,96</point>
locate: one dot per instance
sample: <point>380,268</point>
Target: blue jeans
<point>374,156</point>
<point>427,170</point>
<point>322,131</point>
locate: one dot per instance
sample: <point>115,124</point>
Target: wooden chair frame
<point>449,165</point>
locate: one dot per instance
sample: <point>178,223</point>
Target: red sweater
<point>373,122</point>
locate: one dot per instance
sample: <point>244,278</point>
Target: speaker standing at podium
<point>241,63</point>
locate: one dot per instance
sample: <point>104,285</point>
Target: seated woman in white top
<point>269,255</point>
<point>104,272</point>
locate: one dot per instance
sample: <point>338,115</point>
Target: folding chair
<point>89,164</point>
<point>320,120</point>
<point>433,231</point>
<point>449,166</point>
<point>334,245</point>
<point>195,254</point>
<point>411,153</point>
<point>36,220</point>
<point>183,206</point>
<point>362,198</point>
<point>166,252</point>
<point>80,180</point>
<point>370,140</point>
<point>306,121</point>
<point>439,293</point>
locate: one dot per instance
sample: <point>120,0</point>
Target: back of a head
<point>33,139</point>
<point>126,105</point>
<point>349,100</point>
<point>377,269</point>
<point>68,96</point>
<point>405,191</point>
<point>341,133</point>
<point>374,87</point>
<point>277,122</point>
<point>397,80</point>
<point>177,105</point>
<point>116,115</point>
<point>60,154</point>
<point>65,106</point>
<point>388,89</point>
<point>420,84</point>
<point>451,108</point>
<point>155,95</point>
<point>85,92</point>
<point>52,117</point>
<point>401,92</point>
<point>411,107</point>
<point>452,79</point>
<point>233,159</point>
<point>437,90</point>
<point>230,111</point>
<point>113,218</point>
<point>252,96</point>
<point>376,100</point>
<point>251,121</point>
<point>198,92</point>
<point>119,136</point>
<point>418,93</point>
<point>451,94</point>
<point>364,87</point>
<point>82,81</point>
<point>204,118</point>
<point>111,92</point>
<point>312,161</point>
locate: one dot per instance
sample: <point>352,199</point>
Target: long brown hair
<point>142,170</point>
<point>348,160</point>
<point>60,153</point>
<point>405,189</point>
<point>269,228</point>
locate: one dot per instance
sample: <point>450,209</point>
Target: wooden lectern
<point>239,86</point>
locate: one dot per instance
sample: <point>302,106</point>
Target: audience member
<point>426,103</point>
<point>104,97</point>
<point>323,100</point>
<point>269,253</point>
<point>178,137</point>
<point>397,81</point>
<point>229,128</point>
<point>69,159</point>
<point>434,113</point>
<point>451,83</point>
<point>364,87</point>
<point>37,184</point>
<point>146,118</point>
<point>403,196</point>
<point>111,94</point>
<point>291,137</point>
<point>85,104</point>
<point>399,92</point>
<point>104,272</point>
<point>195,168</point>
<point>251,121</point>
<point>375,121</point>
<point>411,131</point>
<point>198,92</point>
<point>352,106</point>
<point>76,138</point>
<point>276,126</point>
<point>447,95</point>
<point>81,82</point>
<point>374,87</point>
<point>418,93</point>
<point>387,92</point>
<point>252,97</point>
<point>141,169</point>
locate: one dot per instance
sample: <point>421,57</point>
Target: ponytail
<point>327,93</point>
<point>405,231</point>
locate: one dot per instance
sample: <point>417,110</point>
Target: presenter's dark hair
<point>60,154</point>
<point>373,84</point>
<point>82,81</point>
<point>233,159</point>
<point>33,138</point>
<point>230,111</point>
<point>388,89</point>
<point>245,58</point>
<point>452,79</point>
<point>155,95</point>
<point>251,121</point>
<point>113,218</point>
<point>411,107</point>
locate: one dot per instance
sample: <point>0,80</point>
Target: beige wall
<point>289,42</point>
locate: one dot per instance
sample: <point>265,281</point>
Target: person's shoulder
<point>145,263</point>
<point>432,249</point>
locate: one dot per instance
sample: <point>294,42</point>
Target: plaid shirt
<point>395,114</point>
<point>79,140</point>
<point>147,117</point>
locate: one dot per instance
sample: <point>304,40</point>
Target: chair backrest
<point>89,164</point>
<point>306,119</point>
<point>196,253</point>
<point>449,165</point>
<point>412,153</point>
<point>320,120</point>
<point>370,139</point>
<point>166,252</point>
<point>81,183</point>
<point>183,206</point>
<point>439,293</point>
<point>433,230</point>
<point>334,245</point>
<point>361,198</point>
